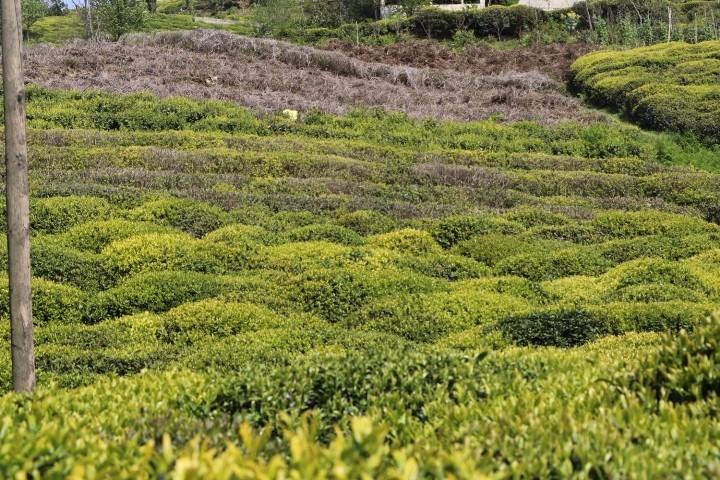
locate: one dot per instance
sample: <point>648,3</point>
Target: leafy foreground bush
<point>430,412</point>
<point>670,86</point>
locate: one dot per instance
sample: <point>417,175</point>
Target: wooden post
<point>18,200</point>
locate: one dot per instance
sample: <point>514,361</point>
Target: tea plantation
<point>218,295</point>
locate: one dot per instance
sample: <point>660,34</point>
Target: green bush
<point>192,322</point>
<point>175,251</point>
<point>532,217</point>
<point>241,235</point>
<point>685,368</point>
<point>556,327</point>
<point>58,214</point>
<point>51,259</point>
<point>631,224</point>
<point>155,292</point>
<point>51,302</point>
<point>407,241</point>
<point>367,222</point>
<point>492,248</point>
<point>555,264</point>
<point>93,236</point>
<point>326,232</point>
<point>193,217</point>
<point>577,233</point>
<point>428,318</point>
<point>651,271</point>
<point>452,230</point>
<point>672,316</point>
<point>338,294</point>
<point>671,86</point>
<point>446,266</point>
<point>661,246</point>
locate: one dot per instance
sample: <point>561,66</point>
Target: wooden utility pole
<point>18,200</point>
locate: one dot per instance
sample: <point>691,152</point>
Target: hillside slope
<point>270,75</point>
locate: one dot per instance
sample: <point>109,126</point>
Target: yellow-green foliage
<point>360,266</point>
<point>175,251</point>
<point>192,322</point>
<point>190,216</point>
<point>93,236</point>
<point>408,241</point>
<point>52,302</point>
<point>671,86</point>
<point>57,29</point>
<point>239,234</point>
<point>57,214</point>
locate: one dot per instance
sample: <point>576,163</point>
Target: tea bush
<point>52,302</point>
<point>326,232</point>
<point>632,224</point>
<point>367,222</point>
<point>556,327</point>
<point>685,368</point>
<point>93,236</point>
<point>193,217</point>
<point>338,294</point>
<point>446,266</point>
<point>155,292</point>
<point>174,251</point>
<point>668,86</point>
<point>430,317</point>
<point>57,214</point>
<point>492,248</point>
<point>191,322</point>
<point>241,235</point>
<point>453,230</point>
<point>407,241</point>
<point>555,264</point>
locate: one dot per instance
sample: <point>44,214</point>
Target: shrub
<point>661,316</point>
<point>430,317</point>
<point>173,251</point>
<point>452,230</point>
<point>445,266</point>
<point>53,260</point>
<point>684,370</point>
<point>651,271</point>
<point>408,241</point>
<point>241,234</point>
<point>367,222</point>
<point>57,214</point>
<point>93,236</point>
<point>492,248</point>
<point>631,224</point>
<point>52,302</point>
<point>190,216</point>
<point>532,217</point>
<point>556,264</point>
<point>192,322</point>
<point>556,327</point>
<point>155,292</point>
<point>338,294</point>
<point>326,232</point>
<point>661,246</point>
<point>577,233</point>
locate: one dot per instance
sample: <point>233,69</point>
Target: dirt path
<point>216,21</point>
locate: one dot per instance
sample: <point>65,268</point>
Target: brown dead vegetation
<point>269,75</point>
<point>552,60</point>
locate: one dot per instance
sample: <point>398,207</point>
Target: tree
<point>117,17</point>
<point>18,200</point>
<point>32,11</point>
